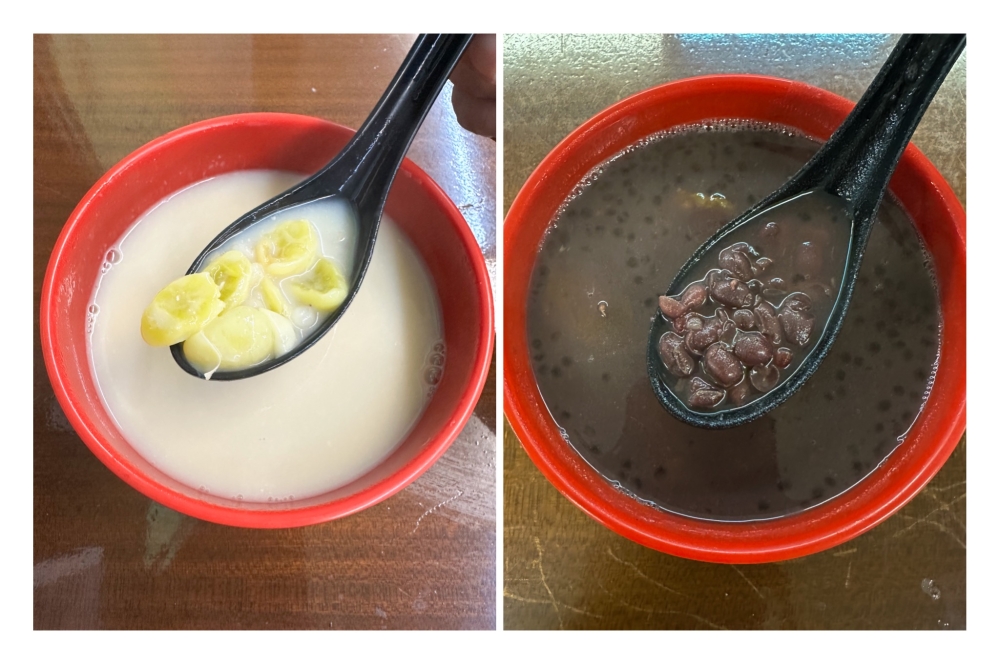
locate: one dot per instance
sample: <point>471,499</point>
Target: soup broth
<point>620,240</point>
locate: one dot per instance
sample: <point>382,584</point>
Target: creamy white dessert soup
<point>302,429</point>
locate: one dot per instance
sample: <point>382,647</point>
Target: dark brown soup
<point>621,239</point>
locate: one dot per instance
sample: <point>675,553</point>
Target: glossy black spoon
<point>853,168</point>
<point>361,173</point>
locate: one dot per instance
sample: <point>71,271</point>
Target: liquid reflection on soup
<point>621,239</point>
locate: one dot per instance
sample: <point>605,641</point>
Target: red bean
<point>722,365</point>
<point>764,378</point>
<point>671,308</point>
<point>767,321</point>
<point>796,324</point>
<point>694,296</point>
<point>714,275</point>
<point>744,319</point>
<point>761,265</point>
<point>782,358</point>
<point>770,229</point>
<point>674,357</point>
<point>753,349</point>
<point>736,260</point>
<point>740,394</point>
<point>732,292</point>
<point>706,398</point>
<point>680,323</point>
<point>797,302</point>
<point>697,384</point>
<point>728,333</point>
<point>701,333</point>
<point>778,284</point>
<point>704,395</point>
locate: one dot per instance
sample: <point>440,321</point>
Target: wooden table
<point>108,557</point>
<point>564,570</point>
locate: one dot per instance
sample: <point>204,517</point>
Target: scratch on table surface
<point>655,612</point>
<point>531,600</point>
<point>844,553</point>
<point>759,593</point>
<point>640,573</point>
<point>434,509</point>
<point>541,572</point>
<point>52,189</point>
<point>937,516</point>
<point>942,489</point>
<point>847,581</point>
<point>466,466</point>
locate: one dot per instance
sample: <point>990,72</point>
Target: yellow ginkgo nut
<point>273,298</point>
<point>289,249</point>
<point>182,308</point>
<point>241,337</point>
<point>233,274</point>
<point>323,287</point>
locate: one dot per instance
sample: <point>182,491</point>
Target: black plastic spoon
<point>361,173</point>
<point>853,168</point>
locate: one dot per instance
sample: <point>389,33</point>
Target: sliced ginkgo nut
<point>289,249</point>
<point>233,274</point>
<point>323,287</point>
<point>202,354</point>
<point>285,338</point>
<point>273,298</point>
<point>242,336</point>
<point>182,308</point>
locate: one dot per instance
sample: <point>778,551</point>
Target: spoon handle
<point>365,168</point>
<point>858,160</point>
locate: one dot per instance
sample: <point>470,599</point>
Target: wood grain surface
<point>563,570</point>
<point>107,557</point>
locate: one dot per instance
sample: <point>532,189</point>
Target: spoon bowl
<point>362,174</point>
<point>852,170</point>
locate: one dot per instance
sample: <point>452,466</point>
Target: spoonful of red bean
<point>753,313</point>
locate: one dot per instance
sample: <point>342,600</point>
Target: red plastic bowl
<point>924,194</point>
<point>263,141</point>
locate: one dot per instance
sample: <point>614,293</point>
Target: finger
<point>482,56</point>
<point>472,82</point>
<point>476,115</point>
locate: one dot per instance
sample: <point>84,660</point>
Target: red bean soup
<point>615,246</point>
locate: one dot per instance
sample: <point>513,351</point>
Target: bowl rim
<point>821,527</point>
<point>268,518</point>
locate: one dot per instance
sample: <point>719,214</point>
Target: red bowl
<point>263,141</point>
<point>923,193</point>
